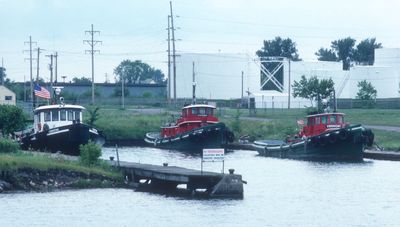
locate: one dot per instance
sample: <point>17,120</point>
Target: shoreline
<point>35,180</point>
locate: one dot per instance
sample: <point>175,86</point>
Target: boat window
<point>317,120</point>
<point>339,119</point>
<point>324,120</point>
<point>63,115</point>
<point>47,115</point>
<point>77,115</point>
<point>184,113</point>
<point>202,111</point>
<point>332,119</point>
<point>70,115</point>
<point>310,121</point>
<point>194,111</point>
<point>54,115</point>
<point>209,111</point>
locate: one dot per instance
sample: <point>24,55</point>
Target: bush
<point>89,153</point>
<point>8,146</point>
<point>147,95</point>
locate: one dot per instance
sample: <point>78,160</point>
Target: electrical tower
<point>92,51</point>
<point>30,65</point>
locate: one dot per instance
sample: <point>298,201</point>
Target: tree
<point>279,48</point>
<point>365,52</point>
<point>313,89</point>
<point>326,55</point>
<point>345,50</point>
<point>2,75</point>
<point>12,119</point>
<point>135,72</point>
<point>93,115</point>
<point>82,80</point>
<point>366,91</point>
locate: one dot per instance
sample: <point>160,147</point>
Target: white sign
<point>213,155</point>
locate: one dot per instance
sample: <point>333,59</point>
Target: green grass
<point>388,140</point>
<point>126,124</point>
<point>18,160</point>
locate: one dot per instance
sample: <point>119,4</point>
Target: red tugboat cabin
<point>192,116</point>
<point>320,123</point>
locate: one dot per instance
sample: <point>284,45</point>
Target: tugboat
<point>326,137</point>
<point>59,128</point>
<point>197,128</point>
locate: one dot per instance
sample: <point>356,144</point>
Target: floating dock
<point>164,178</point>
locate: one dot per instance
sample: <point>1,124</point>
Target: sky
<point>136,30</point>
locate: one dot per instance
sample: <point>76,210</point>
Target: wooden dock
<point>164,178</point>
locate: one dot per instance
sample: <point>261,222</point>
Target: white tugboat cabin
<point>54,116</point>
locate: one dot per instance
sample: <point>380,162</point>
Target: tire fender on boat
<point>343,134</point>
<point>332,138</point>
<point>322,141</point>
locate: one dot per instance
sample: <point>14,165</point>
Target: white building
<point>7,97</point>
<point>219,76</point>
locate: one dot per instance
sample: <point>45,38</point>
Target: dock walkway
<point>167,178</point>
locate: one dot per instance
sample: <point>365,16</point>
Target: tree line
<point>344,50</point>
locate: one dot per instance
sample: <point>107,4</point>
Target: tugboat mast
<point>194,86</point>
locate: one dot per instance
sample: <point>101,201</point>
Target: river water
<point>279,193</point>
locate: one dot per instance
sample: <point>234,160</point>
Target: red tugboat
<point>325,137</point>
<point>197,128</point>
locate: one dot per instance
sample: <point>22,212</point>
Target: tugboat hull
<point>66,139</point>
<point>339,145</point>
<point>212,136</point>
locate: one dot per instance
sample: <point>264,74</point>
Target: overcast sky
<point>136,29</point>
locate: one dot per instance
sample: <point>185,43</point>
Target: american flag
<point>42,92</point>
<point>300,122</point>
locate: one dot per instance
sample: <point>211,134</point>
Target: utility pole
<point>92,43</point>
<point>37,61</point>
<point>37,75</point>
<point>30,66</point>
<point>123,90</point>
<point>56,56</point>
<point>194,86</point>
<point>289,88</point>
<point>51,56</point>
<point>169,62</point>
<point>242,86</point>
<point>173,49</point>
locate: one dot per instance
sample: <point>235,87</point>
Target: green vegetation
<point>19,160</point>
<point>94,115</point>
<point>8,146</point>
<point>127,124</point>
<point>12,119</point>
<point>389,140</point>
<point>89,153</point>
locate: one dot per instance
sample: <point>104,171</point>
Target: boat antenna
<point>194,86</point>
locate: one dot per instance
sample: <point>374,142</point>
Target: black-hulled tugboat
<point>325,137</point>
<point>197,128</point>
<point>60,128</point>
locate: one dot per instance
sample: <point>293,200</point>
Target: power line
<point>92,43</point>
